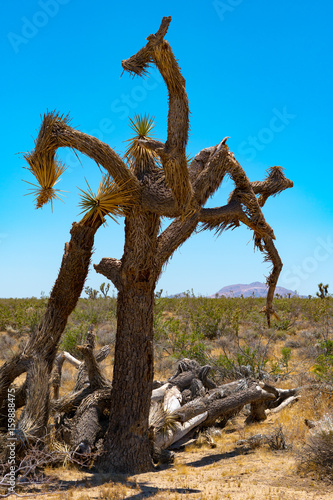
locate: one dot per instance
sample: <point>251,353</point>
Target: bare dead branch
<point>110,268</point>
<point>73,361</point>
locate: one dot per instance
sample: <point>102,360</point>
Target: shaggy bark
<point>126,446</point>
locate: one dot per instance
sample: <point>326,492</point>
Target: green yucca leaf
<point>110,200</point>
<point>142,125</point>
<point>136,152</point>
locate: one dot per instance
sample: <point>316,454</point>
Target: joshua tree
<point>322,291</point>
<point>160,182</point>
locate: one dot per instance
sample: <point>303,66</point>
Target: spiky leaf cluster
<point>110,200</point>
<point>136,152</point>
<point>47,174</point>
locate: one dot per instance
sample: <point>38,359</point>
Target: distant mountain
<point>257,289</point>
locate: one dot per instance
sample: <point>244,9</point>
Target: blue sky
<point>257,71</point>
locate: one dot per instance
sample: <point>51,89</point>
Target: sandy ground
<point>227,471</point>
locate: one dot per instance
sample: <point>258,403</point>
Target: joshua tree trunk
<point>127,443</point>
<point>127,447</point>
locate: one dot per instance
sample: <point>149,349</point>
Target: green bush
<point>73,336</point>
<point>323,367</point>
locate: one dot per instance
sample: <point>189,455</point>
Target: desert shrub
<point>21,314</point>
<point>247,358</point>
<point>5,316</point>
<point>174,336</point>
<point>284,324</point>
<point>323,366</point>
<point>293,343</point>
<point>277,439</point>
<point>7,344</point>
<point>317,455</point>
<point>280,367</point>
<point>73,336</point>
<point>106,333</point>
<point>94,311</point>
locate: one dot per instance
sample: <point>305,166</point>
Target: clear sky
<point>258,71</point>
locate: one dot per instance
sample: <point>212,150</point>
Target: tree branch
<point>173,236</point>
<point>56,133</point>
<point>213,169</point>
<point>173,155</point>
<point>274,183</point>
<point>225,217</point>
<point>110,268</point>
<point>271,255</point>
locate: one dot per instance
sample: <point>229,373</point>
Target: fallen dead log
<point>172,400</point>
<point>90,422</point>
<point>203,411</point>
<point>217,406</point>
<point>159,393</point>
<point>187,371</point>
<point>166,439</point>
<point>187,403</point>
